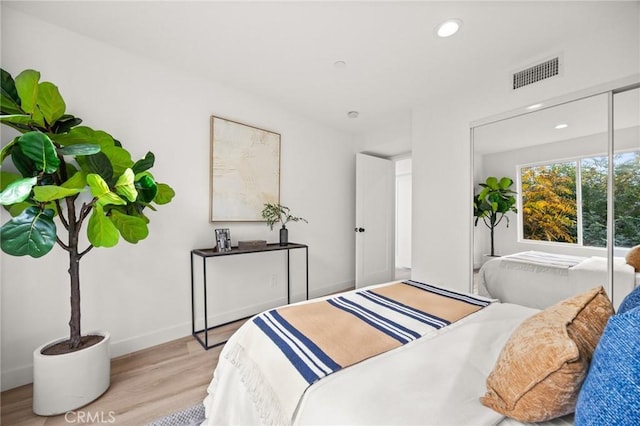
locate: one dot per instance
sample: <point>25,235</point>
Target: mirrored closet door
<point>545,236</point>
<point>626,186</point>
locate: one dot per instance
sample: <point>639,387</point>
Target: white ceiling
<point>583,117</point>
<point>285,51</point>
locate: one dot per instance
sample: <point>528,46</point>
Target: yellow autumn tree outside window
<point>566,202</point>
<point>549,210</point>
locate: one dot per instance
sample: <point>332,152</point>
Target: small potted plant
<point>274,213</point>
<point>493,202</point>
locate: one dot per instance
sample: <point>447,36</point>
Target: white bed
<point>434,380</point>
<point>540,279</point>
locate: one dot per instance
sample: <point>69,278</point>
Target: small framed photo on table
<point>223,239</point>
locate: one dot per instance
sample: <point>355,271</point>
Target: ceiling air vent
<point>536,73</point>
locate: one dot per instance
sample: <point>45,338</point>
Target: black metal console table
<point>211,252</point>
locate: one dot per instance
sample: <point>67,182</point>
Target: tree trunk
<point>74,322</point>
<point>74,275</point>
<point>492,251</point>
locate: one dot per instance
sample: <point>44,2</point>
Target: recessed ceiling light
<point>353,114</point>
<point>448,27</point>
<point>534,106</point>
<point>562,126</point>
<point>340,64</point>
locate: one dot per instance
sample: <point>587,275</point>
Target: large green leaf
<point>84,134</point>
<point>147,188</point>
<point>119,158</point>
<point>97,163</point>
<point>492,182</point>
<point>37,119</point>
<point>505,183</point>
<point>132,229</point>
<point>144,164</point>
<point>32,233</point>
<point>65,123</point>
<point>6,150</point>
<point>26,166</point>
<point>46,193</point>
<point>126,187</point>
<point>80,149</point>
<point>165,194</point>
<point>18,119</point>
<point>8,88</point>
<point>50,102</point>
<point>98,186</point>
<point>77,180</point>
<point>111,198</point>
<point>27,87</point>
<point>136,210</point>
<point>39,148</point>
<point>483,194</point>
<point>17,191</point>
<point>8,106</point>
<point>101,232</point>
<point>102,192</point>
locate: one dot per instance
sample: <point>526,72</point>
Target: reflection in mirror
<point>555,245</point>
<point>626,183</point>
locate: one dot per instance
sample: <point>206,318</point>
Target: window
<point>566,202</point>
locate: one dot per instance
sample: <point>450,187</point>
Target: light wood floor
<point>145,386</point>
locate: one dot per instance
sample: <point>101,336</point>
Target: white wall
<point>442,209</point>
<point>141,293</point>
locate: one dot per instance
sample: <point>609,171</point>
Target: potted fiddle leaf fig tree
<point>66,177</point>
<point>273,213</point>
<point>493,202</point>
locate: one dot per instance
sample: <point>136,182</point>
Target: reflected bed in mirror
<point>541,279</point>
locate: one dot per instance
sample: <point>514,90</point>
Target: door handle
<point>359,229</point>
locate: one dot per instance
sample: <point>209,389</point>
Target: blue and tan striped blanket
<point>289,348</point>
<point>323,337</point>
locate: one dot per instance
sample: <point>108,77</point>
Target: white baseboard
<point>144,341</point>
<point>24,375</point>
<point>335,288</point>
<point>17,377</point>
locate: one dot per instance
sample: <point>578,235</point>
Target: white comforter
<point>540,285</point>
<point>435,380</point>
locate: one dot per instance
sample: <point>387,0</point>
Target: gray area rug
<point>191,416</point>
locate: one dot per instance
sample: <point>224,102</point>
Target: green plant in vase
<point>68,177</point>
<point>273,213</point>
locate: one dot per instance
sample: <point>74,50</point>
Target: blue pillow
<point>631,301</point>
<point>610,394</point>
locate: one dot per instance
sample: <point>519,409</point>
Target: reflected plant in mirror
<point>493,202</point>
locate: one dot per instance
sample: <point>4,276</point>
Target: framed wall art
<point>245,170</point>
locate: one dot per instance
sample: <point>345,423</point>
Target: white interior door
<point>374,228</point>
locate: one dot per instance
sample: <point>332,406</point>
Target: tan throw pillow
<point>633,258</point>
<point>538,374</point>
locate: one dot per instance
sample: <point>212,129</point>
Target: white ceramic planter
<point>65,382</point>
